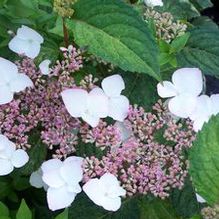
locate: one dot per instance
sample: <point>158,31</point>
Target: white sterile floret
<point>153,3</point>
<point>27,42</point>
<point>89,106</point>
<point>205,108</point>
<point>10,157</point>
<point>63,180</point>
<point>186,85</point>
<point>118,104</point>
<point>124,131</point>
<point>105,192</point>
<point>37,181</point>
<point>200,199</point>
<point>44,67</point>
<point>11,81</point>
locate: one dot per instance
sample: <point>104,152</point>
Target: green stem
<point>65,32</point>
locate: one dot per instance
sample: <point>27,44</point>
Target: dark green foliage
<point>115,32</point>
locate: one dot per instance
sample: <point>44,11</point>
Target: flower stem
<point>65,32</point>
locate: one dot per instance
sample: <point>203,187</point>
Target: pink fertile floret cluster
<point>151,160</point>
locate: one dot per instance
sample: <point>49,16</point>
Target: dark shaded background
<point>212,84</point>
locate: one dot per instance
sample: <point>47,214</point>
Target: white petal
<point>51,173</point>
<point>6,167</point>
<point>20,83</point>
<point>6,96</point>
<point>19,46</point>
<point>166,89</point>
<point>71,172</point>
<point>110,204</point>
<point>203,108</point>
<point>3,142</point>
<point>153,3</point>
<point>124,131</point>
<point>198,123</point>
<point>113,85</point>
<point>19,158</point>
<point>215,103</point>
<point>27,33</point>
<point>91,120</point>
<point>200,199</point>
<point>78,160</point>
<point>8,71</point>
<point>33,50</point>
<point>118,108</point>
<point>59,198</point>
<point>95,191</point>
<point>36,179</point>
<point>188,80</point>
<point>50,165</point>
<point>44,67</point>
<point>8,150</point>
<point>182,105</point>
<point>75,101</point>
<point>112,185</point>
<point>53,179</point>
<point>98,104</point>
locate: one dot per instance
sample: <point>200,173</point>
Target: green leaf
<point>63,215</point>
<point>114,31</point>
<point>4,210</point>
<point>157,209</point>
<point>179,43</point>
<point>182,9</point>
<point>140,89</point>
<point>204,161</point>
<point>37,155</point>
<point>202,4</point>
<point>202,50</point>
<point>184,201</point>
<point>23,211</point>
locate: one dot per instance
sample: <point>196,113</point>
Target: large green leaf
<point>138,207</point>
<point>63,215</point>
<point>140,89</point>
<point>182,9</point>
<point>184,200</point>
<point>202,49</point>
<point>185,9</point>
<point>204,161</point>
<point>157,209</point>
<point>115,32</point>
<point>24,211</point>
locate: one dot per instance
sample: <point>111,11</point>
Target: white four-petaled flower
<point>206,107</point>
<point>105,192</point>
<point>27,41</point>
<point>63,180</point>
<point>153,3</point>
<point>11,81</point>
<point>44,67</point>
<point>98,103</point>
<point>118,104</point>
<point>10,157</point>
<point>89,106</point>
<point>186,86</point>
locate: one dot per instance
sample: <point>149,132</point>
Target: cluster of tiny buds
<point>166,28</point>
<point>63,7</point>
<point>210,212</point>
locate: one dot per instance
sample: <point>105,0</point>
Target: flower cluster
<point>166,28</point>
<point>141,163</point>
